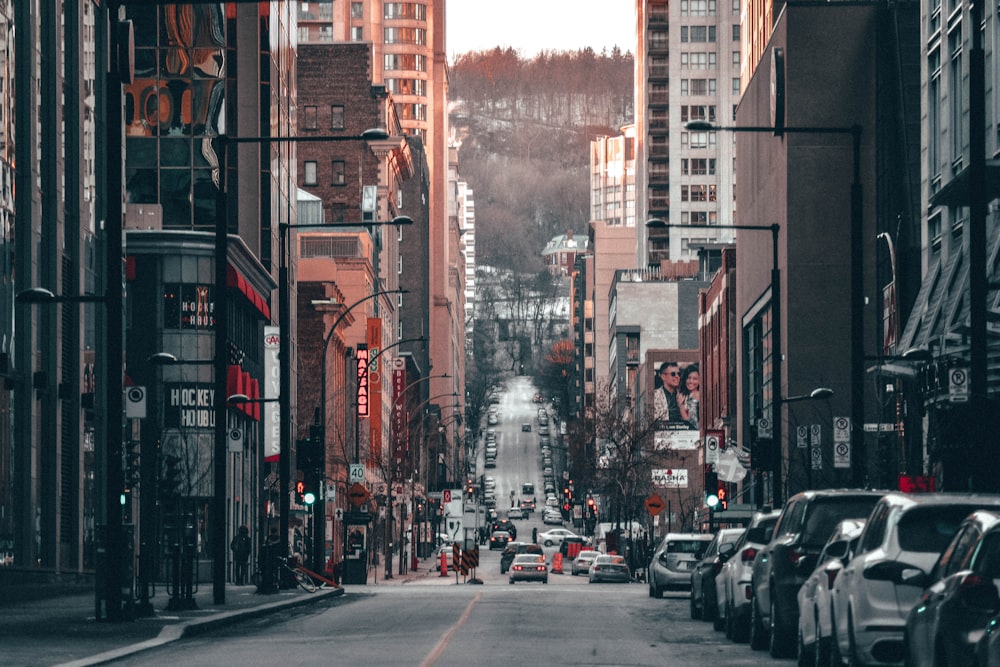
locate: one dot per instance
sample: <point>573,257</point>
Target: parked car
<point>555,536</point>
<point>492,419</point>
<point>961,597</point>
<point>673,560</point>
<point>529,567</point>
<point>704,604</point>
<point>516,549</point>
<point>583,561</point>
<point>499,539</point>
<point>610,568</point>
<point>873,595</point>
<point>781,567</point>
<point>815,622</point>
<point>528,489</point>
<point>732,584</point>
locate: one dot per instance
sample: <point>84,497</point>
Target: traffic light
<point>470,491</point>
<point>170,478</point>
<point>565,510</point>
<point>300,490</point>
<point>711,489</point>
<point>723,497</point>
<point>310,487</point>
<point>591,508</point>
<point>132,462</point>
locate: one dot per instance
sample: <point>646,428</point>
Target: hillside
<point>525,128</point>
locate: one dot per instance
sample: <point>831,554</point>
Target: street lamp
<point>778,350</point>
<point>857,268</point>
<point>319,508</point>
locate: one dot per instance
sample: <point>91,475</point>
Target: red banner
<point>374,337</point>
<point>398,419</point>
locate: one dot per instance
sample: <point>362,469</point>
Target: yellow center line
<point>442,644</point>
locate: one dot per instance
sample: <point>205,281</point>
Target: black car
<point>781,567</point>
<point>704,603</point>
<point>516,549</point>
<point>499,539</point>
<point>505,525</point>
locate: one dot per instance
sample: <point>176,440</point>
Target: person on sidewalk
<point>241,555</point>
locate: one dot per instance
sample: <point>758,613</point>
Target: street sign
<point>958,385</point>
<point>712,441</point>
<point>654,504</point>
<point>338,514</point>
<point>357,473</point>
<point>358,494</point>
<point>802,437</point>
<point>446,496</point>
<point>841,429</point>
<point>764,430</point>
<point>883,427</point>
<point>841,455</point>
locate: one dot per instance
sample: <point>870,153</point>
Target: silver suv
<point>673,561</point>
<point>732,585</point>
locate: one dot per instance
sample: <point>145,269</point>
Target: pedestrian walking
<point>534,535</point>
<point>241,555</point>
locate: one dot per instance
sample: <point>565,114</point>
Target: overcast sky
<point>534,25</point>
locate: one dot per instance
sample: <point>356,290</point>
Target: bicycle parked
<point>289,568</point>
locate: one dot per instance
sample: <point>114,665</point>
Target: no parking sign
<point>958,385</point>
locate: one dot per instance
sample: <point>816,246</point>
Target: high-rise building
<point>687,69</point>
<point>408,52</point>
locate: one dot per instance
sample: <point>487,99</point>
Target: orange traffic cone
<point>444,564</point>
<point>557,563</point>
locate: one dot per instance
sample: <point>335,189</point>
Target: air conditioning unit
<point>144,216</point>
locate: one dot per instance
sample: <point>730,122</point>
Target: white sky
<point>533,25</point>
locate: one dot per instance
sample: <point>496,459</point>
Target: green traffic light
<point>309,497</point>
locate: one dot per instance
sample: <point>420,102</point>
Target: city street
<point>569,623</point>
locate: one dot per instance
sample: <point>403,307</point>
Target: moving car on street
<point>529,567</point>
<point>555,536</point>
<point>610,568</point>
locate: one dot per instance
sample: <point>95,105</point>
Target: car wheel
<point>803,655</point>
<point>758,634</point>
<point>718,620</point>
<point>778,646</point>
<point>511,582</point>
<point>548,543</point>
<point>821,650</point>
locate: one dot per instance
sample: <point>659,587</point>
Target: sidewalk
<point>62,630</point>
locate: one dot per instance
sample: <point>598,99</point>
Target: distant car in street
<point>704,604</point>
<point>583,561</point>
<point>552,517</point>
<point>516,513</point>
<point>610,568</point>
<point>555,536</point>
<point>514,549</point>
<point>529,567</point>
<point>499,539</point>
<point>673,561</point>
<point>526,426</point>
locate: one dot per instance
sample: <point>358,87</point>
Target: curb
<point>196,627</point>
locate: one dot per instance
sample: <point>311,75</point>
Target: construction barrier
<point>557,563</point>
<point>444,564</point>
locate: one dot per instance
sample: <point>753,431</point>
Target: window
<point>736,58</point>
<point>699,60</point>
<point>309,177</point>
<point>357,34</point>
<point>410,61</point>
<point>698,33</point>
<point>736,88</point>
<point>337,116</point>
<point>339,173</point>
<point>405,36</point>
<point>698,112</point>
<point>357,10</point>
<point>405,10</point>
<point>309,117</point>
<point>736,32</point>
<point>934,114</point>
<point>659,39</point>
<point>697,7</point>
<point>955,94</point>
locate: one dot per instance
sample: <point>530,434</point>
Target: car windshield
<point>588,554</point>
<point>825,514</point>
<point>929,529</point>
<point>609,560</point>
<point>685,546</point>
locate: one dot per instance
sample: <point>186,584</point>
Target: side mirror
<point>727,550</point>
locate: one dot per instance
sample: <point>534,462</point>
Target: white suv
<point>873,595</point>
<point>732,585</point>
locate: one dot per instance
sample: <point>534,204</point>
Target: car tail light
<point>795,555</point>
<point>517,567</point>
<point>748,554</point>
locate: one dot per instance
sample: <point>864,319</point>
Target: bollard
<point>557,563</point>
<point>444,564</point>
